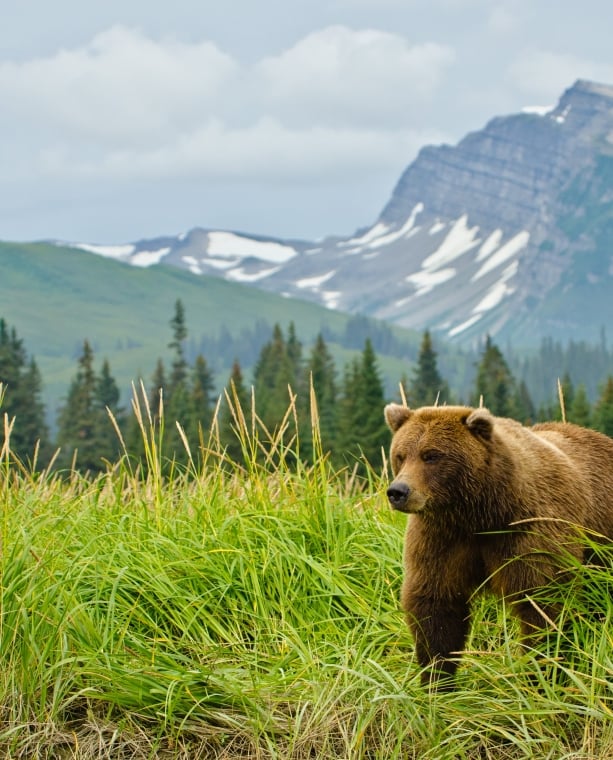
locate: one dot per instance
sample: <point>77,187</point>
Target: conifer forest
<point>94,423</point>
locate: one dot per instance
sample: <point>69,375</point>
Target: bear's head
<point>439,456</point>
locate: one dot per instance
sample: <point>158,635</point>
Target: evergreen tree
<point>273,376</point>
<point>523,406</point>
<point>108,401</point>
<point>178,407</point>
<point>603,410</point>
<point>298,382</point>
<point>294,354</point>
<point>580,411</point>
<point>427,385</point>
<point>348,438</point>
<point>158,384</point>
<point>239,405</point>
<point>22,400</point>
<point>362,429</point>
<point>79,418</point>
<point>321,372</point>
<point>178,375</point>
<point>375,432</point>
<point>495,383</point>
<point>202,401</point>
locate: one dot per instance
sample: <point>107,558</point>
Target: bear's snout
<point>398,495</point>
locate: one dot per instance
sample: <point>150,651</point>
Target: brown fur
<point>491,503</point>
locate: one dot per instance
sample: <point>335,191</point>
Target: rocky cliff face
<point>509,232</point>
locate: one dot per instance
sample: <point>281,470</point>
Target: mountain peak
<point>508,232</point>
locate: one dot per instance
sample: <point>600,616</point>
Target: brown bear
<point>491,503</point>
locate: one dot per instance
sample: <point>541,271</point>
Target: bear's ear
<point>396,415</point>
<point>481,423</point>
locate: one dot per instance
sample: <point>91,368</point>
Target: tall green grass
<point>249,610</point>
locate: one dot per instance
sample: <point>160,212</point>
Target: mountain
<point>56,297</point>
<point>509,232</point>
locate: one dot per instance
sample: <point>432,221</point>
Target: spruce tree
<point>362,429</point>
<point>523,407</point>
<point>159,384</point>
<point>79,418</point>
<point>427,386</point>
<point>108,396</point>
<point>580,411</point>
<point>22,400</point>
<point>375,432</point>
<point>321,372</point>
<point>202,399</point>
<point>178,375</point>
<point>603,410</point>
<point>348,448</point>
<point>273,376</point>
<point>235,404</point>
<point>495,383</point>
<point>178,407</point>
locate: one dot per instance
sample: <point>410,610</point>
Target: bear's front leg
<point>439,627</point>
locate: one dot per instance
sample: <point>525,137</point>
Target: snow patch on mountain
<point>378,230</point>
<point>437,227</point>
<point>459,240</point>
<point>314,283</point>
<point>221,263</point>
<point>331,298</point>
<point>506,252</point>
<point>498,291</point>
<point>538,110</point>
<point>464,325</point>
<point>229,244</point>
<point>406,228</point>
<point>426,280</point>
<point>127,253</point>
<point>490,245</point>
<point>120,252</point>
<point>148,258</point>
<point>240,275</point>
<point>192,264</point>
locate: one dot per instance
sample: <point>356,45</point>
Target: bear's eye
<point>398,460</point>
<point>431,455</point>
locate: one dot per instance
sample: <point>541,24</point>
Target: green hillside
<point>56,297</point>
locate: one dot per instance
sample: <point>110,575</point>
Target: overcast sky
<point>127,119</point>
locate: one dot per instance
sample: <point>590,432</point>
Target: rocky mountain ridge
<point>509,232</point>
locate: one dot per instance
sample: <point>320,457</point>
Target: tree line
<point>92,422</point>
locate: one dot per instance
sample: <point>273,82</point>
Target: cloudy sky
<point>127,119</point>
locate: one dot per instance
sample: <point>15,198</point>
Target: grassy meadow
<point>251,611</point>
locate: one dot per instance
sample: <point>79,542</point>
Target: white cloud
<point>125,106</point>
<point>340,75</point>
<point>120,86</point>
<point>542,74</point>
<point>266,150</point>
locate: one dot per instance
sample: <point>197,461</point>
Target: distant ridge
<point>508,232</point>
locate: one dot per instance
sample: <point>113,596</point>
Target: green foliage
<point>603,410</point>
<point>496,386</point>
<point>178,375</point>
<point>234,404</point>
<point>321,375</point>
<point>577,362</point>
<point>249,611</point>
<point>427,386</point>
<point>124,310</point>
<point>362,433</point>
<point>86,434</point>
<point>580,411</point>
<point>22,401</point>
